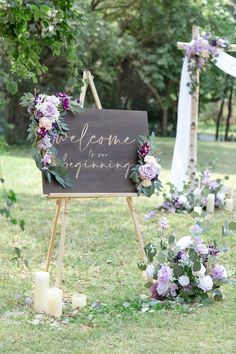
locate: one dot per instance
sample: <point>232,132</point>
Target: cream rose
<point>45,123</point>
<point>146,183</point>
<point>184,280</point>
<point>205,283</point>
<point>152,160</point>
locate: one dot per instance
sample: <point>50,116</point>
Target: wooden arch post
<point>63,200</point>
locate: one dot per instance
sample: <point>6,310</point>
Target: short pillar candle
<point>55,302</point>
<point>229,204</point>
<point>41,286</point>
<point>211,203</point>
<point>78,301</point>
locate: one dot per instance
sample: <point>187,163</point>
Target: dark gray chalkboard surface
<point>99,150</point>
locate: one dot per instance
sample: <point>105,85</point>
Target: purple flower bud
<point>145,149</point>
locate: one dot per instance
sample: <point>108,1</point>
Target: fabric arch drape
<point>180,159</point>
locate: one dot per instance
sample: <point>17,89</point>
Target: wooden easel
<point>62,200</point>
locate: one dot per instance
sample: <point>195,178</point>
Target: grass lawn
<point>101,258</point>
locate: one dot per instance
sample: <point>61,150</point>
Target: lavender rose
<point>164,278</point>
<point>202,249</point>
<point>148,171</point>
<point>219,272</point>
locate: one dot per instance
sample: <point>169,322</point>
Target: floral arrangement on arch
<point>199,51</point>
<point>187,270</point>
<point>146,173</point>
<point>47,123</point>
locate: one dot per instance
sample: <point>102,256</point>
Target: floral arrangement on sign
<point>146,173</point>
<point>187,270</point>
<point>199,51</point>
<point>47,123</point>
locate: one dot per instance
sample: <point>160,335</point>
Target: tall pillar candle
<point>211,203</point>
<point>41,291</point>
<point>55,302</point>
<point>229,204</point>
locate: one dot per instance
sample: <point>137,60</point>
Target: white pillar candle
<point>78,301</point>
<point>229,204</point>
<point>198,210</point>
<point>211,203</point>
<point>41,291</point>
<point>55,302</point>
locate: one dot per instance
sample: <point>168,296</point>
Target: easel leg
<point>53,233</point>
<point>61,246</point>
<point>136,225</point>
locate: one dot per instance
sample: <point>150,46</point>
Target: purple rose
<point>173,290</point>
<point>177,205</point>
<point>164,274</point>
<point>218,272</point>
<point>213,185</point>
<point>196,229</point>
<point>46,160</point>
<point>145,149</point>
<point>44,143</point>
<point>148,171</point>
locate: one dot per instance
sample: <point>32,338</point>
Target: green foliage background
<point>129,45</point>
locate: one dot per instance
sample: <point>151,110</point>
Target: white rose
<point>184,280</point>
<point>150,270</point>
<point>168,196</point>
<point>205,283</point>
<point>220,196</point>
<point>197,191</point>
<point>184,242</point>
<point>146,183</point>
<point>182,199</point>
<point>201,272</point>
<point>45,123</point>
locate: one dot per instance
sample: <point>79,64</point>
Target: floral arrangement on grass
<point>47,123</point>
<point>146,173</point>
<point>199,51</point>
<point>188,198</point>
<point>187,270</point>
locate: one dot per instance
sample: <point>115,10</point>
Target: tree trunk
<point>219,119</point>
<point>229,113</point>
<point>221,110</point>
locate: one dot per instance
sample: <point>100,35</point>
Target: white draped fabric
<point>179,167</point>
<point>180,157</point>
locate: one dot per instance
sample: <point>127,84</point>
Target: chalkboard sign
<point>99,150</point>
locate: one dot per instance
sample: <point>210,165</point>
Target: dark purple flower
<point>177,205</point>
<point>213,43</point>
<point>65,101</point>
<point>145,149</point>
<point>212,250</point>
<point>179,256</point>
<point>78,100</point>
<point>42,132</point>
